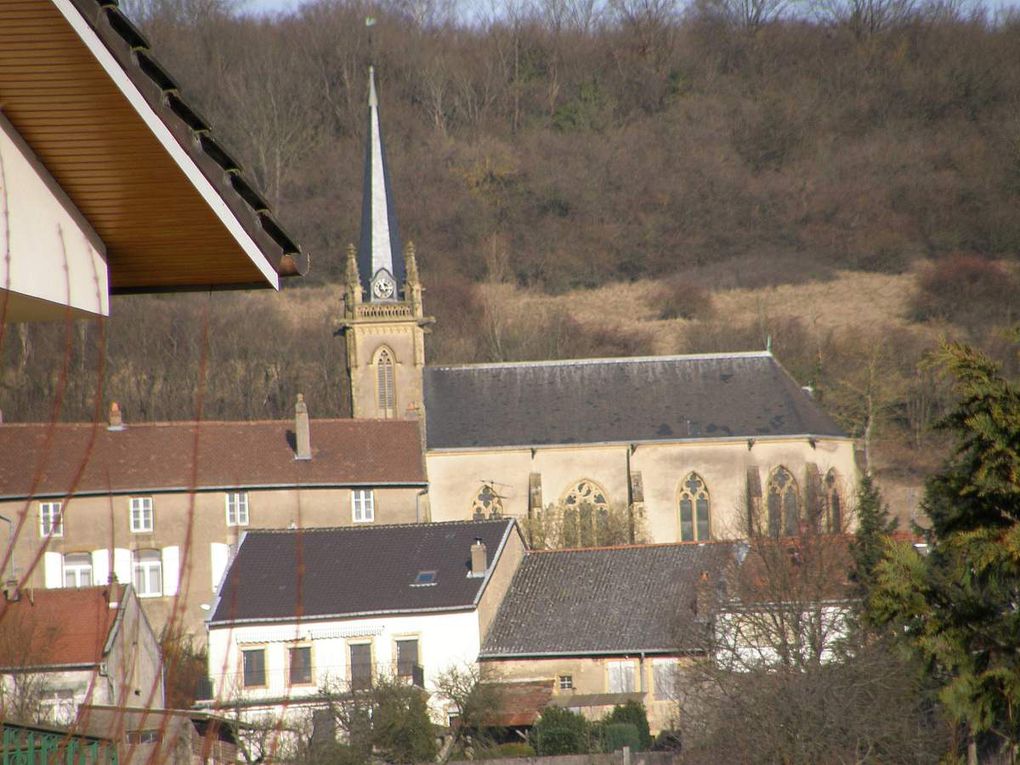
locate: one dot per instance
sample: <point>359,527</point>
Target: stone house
<point>163,505</point>
<point>60,649</point>
<point>606,626</point>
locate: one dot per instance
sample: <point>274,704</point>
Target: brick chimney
<point>302,434</point>
<point>479,558</point>
<point>116,420</point>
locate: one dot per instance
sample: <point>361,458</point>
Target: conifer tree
<point>874,527</point>
<point>960,606</point>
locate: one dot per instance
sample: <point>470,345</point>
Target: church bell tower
<point>382,322</point>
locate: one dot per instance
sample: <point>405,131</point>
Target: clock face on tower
<point>383,288</point>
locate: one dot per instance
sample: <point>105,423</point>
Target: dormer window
<point>425,579</point>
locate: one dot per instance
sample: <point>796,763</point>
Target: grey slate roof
<point>621,600</point>
<point>359,570</point>
<point>663,398</point>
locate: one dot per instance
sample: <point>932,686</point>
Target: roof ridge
<point>638,546</point>
<point>608,360</point>
<point>187,423</point>
<point>380,526</point>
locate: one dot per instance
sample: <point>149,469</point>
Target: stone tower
<point>382,322</point>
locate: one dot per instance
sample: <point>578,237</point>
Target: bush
<point>967,289</point>
<point>632,713</point>
<point>616,736</point>
<point>679,298</point>
<point>560,731</point>
<point>668,741</point>
<point>514,749</point>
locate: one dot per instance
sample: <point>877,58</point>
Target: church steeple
<point>380,256</point>
<point>383,321</point>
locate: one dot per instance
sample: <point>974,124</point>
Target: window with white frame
<point>664,676</point>
<point>566,682</point>
<point>363,505</point>
<point>77,570</point>
<point>141,515</point>
<point>51,519</point>
<point>57,705</point>
<point>237,508</point>
<point>148,573</point>
<point>620,676</point>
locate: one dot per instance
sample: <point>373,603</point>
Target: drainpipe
<point>10,541</point>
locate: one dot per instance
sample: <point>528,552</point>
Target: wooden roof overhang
<point>80,84</point>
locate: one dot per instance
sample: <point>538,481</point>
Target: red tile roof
<point>56,627</point>
<point>39,459</point>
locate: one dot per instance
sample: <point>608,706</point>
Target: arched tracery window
<point>833,502</point>
<point>695,521</point>
<point>783,503</point>
<point>385,392</point>
<point>585,514</point>
<point>487,503</point>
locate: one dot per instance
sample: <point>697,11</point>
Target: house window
<point>664,677</point>
<point>407,661</point>
<point>57,705</point>
<point>694,510</point>
<point>148,571</point>
<point>363,505</point>
<point>51,519</point>
<point>237,508</point>
<point>141,515</point>
<point>833,503</point>
<point>78,570</point>
<point>620,676</point>
<point>566,682</point>
<point>783,504</point>
<point>254,665</point>
<point>361,666</point>
<point>301,665</point>
<point>487,504</point>
<point>144,737</point>
<point>384,383</point>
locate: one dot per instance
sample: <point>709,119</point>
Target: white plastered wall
<point>55,259</point>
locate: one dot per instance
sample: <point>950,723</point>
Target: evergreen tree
<point>874,527</point>
<point>960,606</point>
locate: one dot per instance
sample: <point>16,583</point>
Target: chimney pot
<point>116,419</point>
<point>479,558</point>
<point>11,592</point>
<point>302,433</point>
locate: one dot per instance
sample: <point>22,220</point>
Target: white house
<point>304,610</point>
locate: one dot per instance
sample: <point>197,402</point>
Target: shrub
<point>616,736</point>
<point>679,298</point>
<point>668,741</point>
<point>967,289</point>
<point>632,713</point>
<point>513,749</point>
<point>560,731</point>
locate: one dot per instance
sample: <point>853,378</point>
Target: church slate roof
<point>356,571</point>
<point>605,601</point>
<point>659,398</point>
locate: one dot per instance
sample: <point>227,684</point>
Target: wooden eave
<point>81,86</point>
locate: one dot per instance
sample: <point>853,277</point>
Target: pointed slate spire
<point>380,257</point>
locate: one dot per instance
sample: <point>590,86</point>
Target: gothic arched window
<point>783,503</point>
<point>385,393</point>
<point>487,503</point>
<point>833,502</point>
<point>585,514</point>
<point>585,492</point>
<point>695,522</point>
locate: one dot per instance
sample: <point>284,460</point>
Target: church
<point>682,448</point>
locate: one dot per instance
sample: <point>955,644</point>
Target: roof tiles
<point>665,398</point>
<point>40,459</point>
